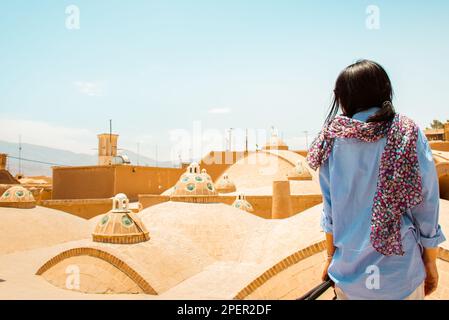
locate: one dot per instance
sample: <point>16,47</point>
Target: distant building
<point>113,174</point>
<point>3,158</point>
<point>441,134</point>
<point>446,131</point>
<point>275,142</point>
<point>107,148</point>
<point>6,178</point>
<point>434,134</point>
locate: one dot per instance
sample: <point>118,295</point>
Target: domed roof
<point>242,204</point>
<point>275,143</point>
<point>225,185</point>
<point>17,197</point>
<point>194,186</point>
<point>299,173</point>
<point>120,225</point>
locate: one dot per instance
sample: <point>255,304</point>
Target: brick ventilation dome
<point>225,185</point>
<point>194,185</point>
<point>17,197</point>
<point>242,204</point>
<point>120,225</point>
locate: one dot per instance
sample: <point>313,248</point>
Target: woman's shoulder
<point>410,122</point>
<point>422,141</point>
<point>405,120</point>
<point>410,127</point>
<point>422,144</point>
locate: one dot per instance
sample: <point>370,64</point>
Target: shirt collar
<point>365,114</point>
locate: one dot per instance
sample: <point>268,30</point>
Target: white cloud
<point>40,133</point>
<point>219,110</point>
<point>93,89</point>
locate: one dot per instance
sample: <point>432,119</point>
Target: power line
<point>37,161</point>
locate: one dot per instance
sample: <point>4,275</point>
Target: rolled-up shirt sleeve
<point>426,214</point>
<point>326,215</point>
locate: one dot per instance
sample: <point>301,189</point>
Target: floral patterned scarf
<point>399,181</point>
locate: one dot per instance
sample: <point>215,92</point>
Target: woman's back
<point>349,180</point>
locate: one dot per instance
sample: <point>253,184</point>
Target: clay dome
<point>225,185</point>
<point>120,225</point>
<point>299,173</point>
<point>275,142</point>
<point>17,197</point>
<point>242,204</point>
<point>194,185</point>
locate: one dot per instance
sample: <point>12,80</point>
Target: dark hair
<point>361,86</point>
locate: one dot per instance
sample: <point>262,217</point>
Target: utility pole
<point>230,138</point>
<point>246,140</point>
<point>110,137</point>
<point>138,152</point>
<point>157,162</point>
<point>257,141</point>
<point>20,154</point>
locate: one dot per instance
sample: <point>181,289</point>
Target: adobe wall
<point>148,200</point>
<point>216,162</point>
<point>281,202</point>
<point>3,161</point>
<point>446,131</point>
<point>7,178</point>
<point>46,194</point>
<point>90,182</point>
<point>442,169</point>
<point>98,182</point>
<point>444,187</point>
<point>262,204</point>
<point>135,180</point>
<point>83,208</point>
<point>439,145</point>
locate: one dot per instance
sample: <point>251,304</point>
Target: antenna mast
<point>230,138</point>
<point>246,140</point>
<point>138,152</point>
<point>20,154</point>
<point>307,139</point>
<point>110,137</point>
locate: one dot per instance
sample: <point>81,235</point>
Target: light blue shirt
<point>348,181</point>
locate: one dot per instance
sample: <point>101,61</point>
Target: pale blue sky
<point>157,66</point>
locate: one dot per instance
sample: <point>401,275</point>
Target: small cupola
<point>17,197</point>
<point>120,225</point>
<point>194,185</point>
<point>225,185</point>
<point>242,204</point>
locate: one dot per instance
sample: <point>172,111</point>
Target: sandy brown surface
<point>213,249</point>
<point>231,248</point>
<point>23,229</point>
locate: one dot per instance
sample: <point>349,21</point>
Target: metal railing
<point>317,291</point>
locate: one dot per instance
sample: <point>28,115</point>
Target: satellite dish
<point>121,159</point>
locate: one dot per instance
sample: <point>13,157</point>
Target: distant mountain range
<point>44,157</point>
